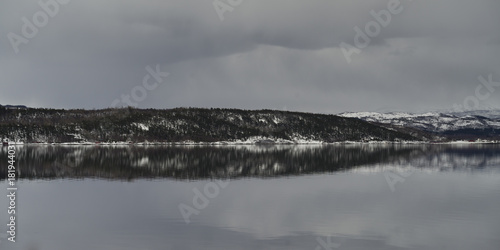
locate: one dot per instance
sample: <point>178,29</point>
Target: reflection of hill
<point>198,162</point>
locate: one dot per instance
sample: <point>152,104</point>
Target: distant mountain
<point>458,125</point>
<point>187,125</point>
<point>492,113</point>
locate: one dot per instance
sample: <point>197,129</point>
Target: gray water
<point>254,197</point>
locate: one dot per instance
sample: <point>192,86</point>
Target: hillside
<point>186,124</point>
<point>459,125</point>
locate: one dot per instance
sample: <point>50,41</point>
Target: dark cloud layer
<point>280,54</point>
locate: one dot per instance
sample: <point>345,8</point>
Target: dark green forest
<point>185,124</point>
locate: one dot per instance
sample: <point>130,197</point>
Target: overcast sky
<point>273,54</point>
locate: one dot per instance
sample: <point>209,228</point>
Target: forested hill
<point>186,124</point>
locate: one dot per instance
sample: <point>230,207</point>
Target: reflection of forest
<point>198,162</point>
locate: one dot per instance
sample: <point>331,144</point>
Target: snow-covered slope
<point>434,122</point>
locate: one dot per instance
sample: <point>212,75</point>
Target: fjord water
<point>359,196</point>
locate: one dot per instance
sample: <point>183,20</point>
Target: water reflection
<point>201,162</point>
<point>68,199</point>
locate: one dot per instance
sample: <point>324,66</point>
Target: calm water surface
<point>255,197</point>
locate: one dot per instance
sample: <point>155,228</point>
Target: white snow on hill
<point>433,121</point>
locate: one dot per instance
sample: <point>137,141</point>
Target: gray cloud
<point>265,54</point>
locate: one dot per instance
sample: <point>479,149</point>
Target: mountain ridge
<point>480,124</point>
<point>187,125</point>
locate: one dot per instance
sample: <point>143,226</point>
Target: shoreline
<point>231,143</point>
